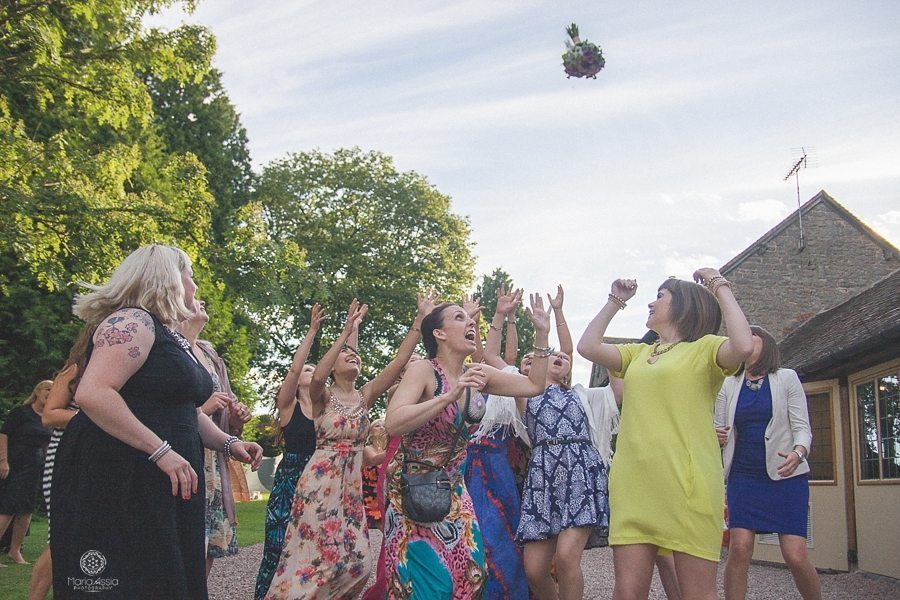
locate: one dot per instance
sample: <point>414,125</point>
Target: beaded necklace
<point>181,341</point>
<point>351,413</point>
<point>754,384</point>
<point>656,352</point>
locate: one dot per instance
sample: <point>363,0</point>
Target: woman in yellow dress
<point>666,488</point>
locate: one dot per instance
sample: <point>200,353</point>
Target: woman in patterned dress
<point>294,409</point>
<point>326,546</point>
<point>445,559</point>
<point>230,416</point>
<point>666,488</point>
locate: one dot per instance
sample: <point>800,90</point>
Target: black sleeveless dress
<point>118,532</point>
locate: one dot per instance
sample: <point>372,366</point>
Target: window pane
<point>868,434</point>
<point>889,425</point>
<point>821,459</point>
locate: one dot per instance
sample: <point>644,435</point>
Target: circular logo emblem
<point>92,563</point>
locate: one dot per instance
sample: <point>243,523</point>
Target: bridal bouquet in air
<point>582,58</point>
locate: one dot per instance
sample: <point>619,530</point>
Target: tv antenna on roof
<point>805,159</point>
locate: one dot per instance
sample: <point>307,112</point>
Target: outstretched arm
<point>562,328</point>
<point>355,313</point>
<point>507,301</point>
<point>591,345</point>
<point>287,393</point>
<point>739,345</point>
<point>410,407</point>
<point>384,380</point>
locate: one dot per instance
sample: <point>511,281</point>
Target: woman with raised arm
<point>326,546</point>
<point>295,417</point>
<point>762,421</point>
<point>128,489</point>
<point>490,480</point>
<point>230,416</point>
<point>666,489</point>
<point>565,506</point>
<point>444,559</point>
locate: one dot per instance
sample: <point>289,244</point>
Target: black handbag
<point>426,496</point>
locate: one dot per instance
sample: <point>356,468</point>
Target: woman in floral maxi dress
<point>326,545</point>
<point>445,559</point>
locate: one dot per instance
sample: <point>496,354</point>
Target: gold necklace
<point>656,352</point>
<point>351,413</point>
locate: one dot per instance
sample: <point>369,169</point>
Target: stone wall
<point>780,286</point>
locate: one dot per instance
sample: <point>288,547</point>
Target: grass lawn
<point>14,579</point>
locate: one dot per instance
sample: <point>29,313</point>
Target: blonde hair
<point>47,383</point>
<point>378,438</point>
<point>148,278</point>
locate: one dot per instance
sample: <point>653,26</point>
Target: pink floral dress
<point>326,545</point>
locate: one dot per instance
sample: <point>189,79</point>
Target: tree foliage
<point>328,228</point>
<point>85,174</point>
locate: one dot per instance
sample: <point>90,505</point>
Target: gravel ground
<point>233,579</point>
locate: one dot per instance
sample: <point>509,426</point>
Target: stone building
<point>831,296</point>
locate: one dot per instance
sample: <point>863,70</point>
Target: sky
<point>672,159</point>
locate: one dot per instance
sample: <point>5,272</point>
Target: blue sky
<point>671,159</point>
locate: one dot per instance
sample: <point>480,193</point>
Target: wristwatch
<point>799,455</point>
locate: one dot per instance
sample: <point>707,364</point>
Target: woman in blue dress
<point>489,475</point>
<point>565,506</point>
<point>763,423</point>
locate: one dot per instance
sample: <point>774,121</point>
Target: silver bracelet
<point>227,450</point>
<point>160,452</point>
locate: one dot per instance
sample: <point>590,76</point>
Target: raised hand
<point>704,274</point>
<point>556,303</point>
<point>316,316</point>
<point>472,306</point>
<point>355,314</point>
<point>425,302</point>
<point>540,318</point>
<point>508,300</point>
<point>624,288</point>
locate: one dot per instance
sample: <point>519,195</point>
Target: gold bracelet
<point>560,324</point>
<point>618,301</point>
<point>494,327</point>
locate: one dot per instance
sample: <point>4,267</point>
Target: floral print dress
<point>326,545</point>
<point>434,561</point>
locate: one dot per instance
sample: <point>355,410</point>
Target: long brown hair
<point>78,356</point>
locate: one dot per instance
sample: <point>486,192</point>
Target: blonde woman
<point>128,488</point>
<point>22,439</point>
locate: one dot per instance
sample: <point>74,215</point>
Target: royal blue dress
<point>566,484</point>
<point>755,501</point>
<point>495,496</point>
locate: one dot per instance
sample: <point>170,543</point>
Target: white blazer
<point>789,426</point>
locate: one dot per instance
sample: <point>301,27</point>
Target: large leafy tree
<point>328,228</point>
<point>84,175</point>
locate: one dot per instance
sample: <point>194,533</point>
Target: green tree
<point>328,228</point>
<point>84,175</point>
<point>486,292</point>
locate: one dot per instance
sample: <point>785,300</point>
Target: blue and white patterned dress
<point>566,483</point>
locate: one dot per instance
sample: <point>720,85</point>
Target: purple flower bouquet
<point>581,59</point>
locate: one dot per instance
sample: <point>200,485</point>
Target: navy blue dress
<point>566,484</point>
<point>755,501</point>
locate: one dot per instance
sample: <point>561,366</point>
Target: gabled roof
<point>821,198</point>
<point>861,332</point>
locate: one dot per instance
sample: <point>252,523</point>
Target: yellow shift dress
<point>666,486</point>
